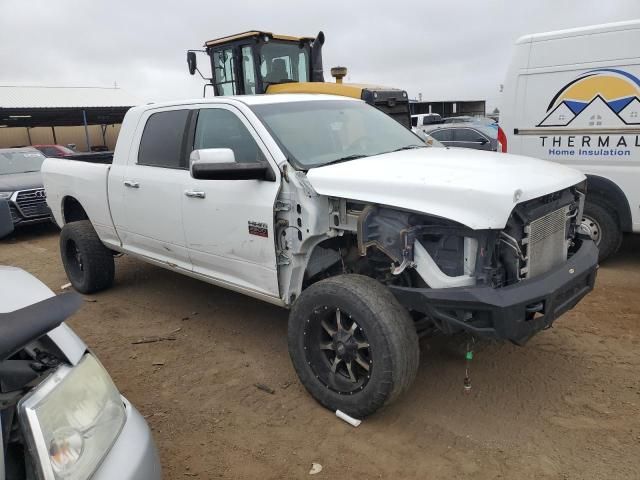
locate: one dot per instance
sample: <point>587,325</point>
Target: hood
<point>23,290</point>
<point>20,181</point>
<point>475,188</point>
<point>20,290</point>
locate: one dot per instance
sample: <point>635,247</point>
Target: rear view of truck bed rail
<point>93,157</point>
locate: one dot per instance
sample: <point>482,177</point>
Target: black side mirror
<point>220,164</point>
<point>482,140</point>
<point>192,62</point>
<point>6,222</point>
<point>232,171</point>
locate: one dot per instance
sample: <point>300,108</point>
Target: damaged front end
<point>504,284</point>
<point>507,284</point>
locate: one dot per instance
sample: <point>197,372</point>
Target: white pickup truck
<point>327,206</point>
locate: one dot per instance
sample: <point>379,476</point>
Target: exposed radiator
<point>546,242</point>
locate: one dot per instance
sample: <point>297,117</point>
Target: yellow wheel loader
<point>258,62</point>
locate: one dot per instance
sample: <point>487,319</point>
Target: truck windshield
<point>315,133</point>
<point>20,162</point>
<point>284,62</point>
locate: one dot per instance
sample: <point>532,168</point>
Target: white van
<point>573,97</point>
<point>425,119</point>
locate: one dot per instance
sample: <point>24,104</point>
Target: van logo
<point>605,97</point>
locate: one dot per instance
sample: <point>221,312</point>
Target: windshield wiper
<point>346,159</point>
<point>357,156</point>
<point>408,147</point>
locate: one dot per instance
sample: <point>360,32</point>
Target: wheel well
<point>613,195</point>
<point>340,255</point>
<point>72,210</point>
<point>325,255</point>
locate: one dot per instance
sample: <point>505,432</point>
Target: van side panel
<point>576,100</point>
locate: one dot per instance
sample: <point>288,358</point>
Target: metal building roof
<point>35,106</point>
<point>23,96</point>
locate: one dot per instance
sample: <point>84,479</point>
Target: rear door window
<point>162,140</point>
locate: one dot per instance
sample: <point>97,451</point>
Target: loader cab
<point>250,62</point>
<point>257,62</point>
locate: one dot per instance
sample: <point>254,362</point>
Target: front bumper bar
<point>516,312</point>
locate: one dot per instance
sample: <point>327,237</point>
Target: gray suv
<point>465,135</point>
<point>21,185</point>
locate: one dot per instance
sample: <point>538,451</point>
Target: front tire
<point>88,263</point>
<point>600,220</point>
<point>354,347</point>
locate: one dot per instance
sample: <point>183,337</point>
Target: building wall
<point>13,137</point>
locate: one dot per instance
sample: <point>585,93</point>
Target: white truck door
<point>153,189</point>
<point>229,224</point>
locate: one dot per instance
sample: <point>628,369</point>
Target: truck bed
<point>93,157</point>
<point>85,181</point>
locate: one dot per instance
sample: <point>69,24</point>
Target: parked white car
<point>329,207</point>
<point>573,97</point>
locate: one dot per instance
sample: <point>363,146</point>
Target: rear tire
<point>354,347</point>
<point>602,222</point>
<point>88,263</point>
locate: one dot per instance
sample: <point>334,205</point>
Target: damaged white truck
<point>328,207</point>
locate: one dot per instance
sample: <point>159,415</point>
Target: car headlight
<point>72,419</point>
<point>6,195</point>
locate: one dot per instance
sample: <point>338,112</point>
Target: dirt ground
<point>566,406</point>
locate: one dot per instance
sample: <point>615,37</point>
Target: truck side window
<point>161,144</point>
<point>220,128</point>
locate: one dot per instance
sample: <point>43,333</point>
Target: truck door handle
<point>194,194</point>
<point>131,184</point>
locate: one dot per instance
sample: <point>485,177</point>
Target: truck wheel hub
<point>337,350</point>
<point>592,228</point>
<point>345,348</point>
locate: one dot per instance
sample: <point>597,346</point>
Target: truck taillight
<point>502,141</point>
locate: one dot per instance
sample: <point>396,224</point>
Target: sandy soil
<point>565,406</point>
